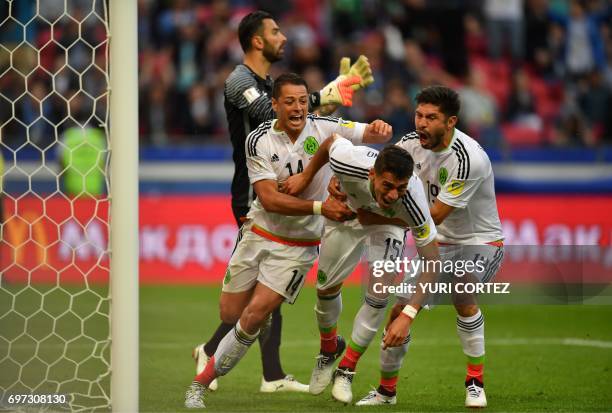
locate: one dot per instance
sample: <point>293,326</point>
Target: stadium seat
<point>520,135</point>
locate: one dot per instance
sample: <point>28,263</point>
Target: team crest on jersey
<point>347,123</point>
<point>422,232</point>
<point>311,145</point>
<point>442,175</point>
<point>227,277</point>
<point>455,187</point>
<point>321,276</point>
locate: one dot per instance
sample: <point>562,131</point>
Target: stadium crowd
<point>529,72</point>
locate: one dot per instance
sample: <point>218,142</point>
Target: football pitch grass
<point>538,357</point>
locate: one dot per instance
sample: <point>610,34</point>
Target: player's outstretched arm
<point>295,184</point>
<point>378,131</point>
<point>274,201</point>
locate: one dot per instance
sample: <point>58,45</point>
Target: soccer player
<point>458,180</point>
<point>381,187</point>
<point>278,243</point>
<point>248,91</point>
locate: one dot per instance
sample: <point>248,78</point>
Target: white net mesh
<point>54,295</point>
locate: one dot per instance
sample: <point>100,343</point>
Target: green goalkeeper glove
<point>340,91</point>
<point>361,68</point>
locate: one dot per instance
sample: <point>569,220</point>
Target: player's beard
<point>272,55</point>
<point>434,139</point>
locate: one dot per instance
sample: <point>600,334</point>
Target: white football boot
<point>342,389</point>
<point>374,398</point>
<point>194,396</point>
<point>475,394</point>
<point>288,383</point>
<point>323,372</point>
<point>201,359</point>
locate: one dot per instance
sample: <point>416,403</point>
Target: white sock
<point>232,348</point>
<point>471,334</point>
<point>368,320</point>
<point>328,310</point>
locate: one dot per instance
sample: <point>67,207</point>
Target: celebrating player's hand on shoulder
<point>336,210</point>
<point>378,131</point>
<point>335,190</point>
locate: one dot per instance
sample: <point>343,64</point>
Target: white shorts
<point>343,244</point>
<point>490,256</point>
<point>281,268</point>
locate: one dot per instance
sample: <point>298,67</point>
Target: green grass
<point>539,358</point>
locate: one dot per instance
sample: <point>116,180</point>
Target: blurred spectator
<point>157,119</point>
<point>505,22</point>
<point>479,110</point>
<point>571,127</point>
<point>475,37</point>
<point>398,108</point>
<point>583,46</point>
<point>537,42</point>
<point>594,101</point>
<point>521,105</point>
<point>83,158</point>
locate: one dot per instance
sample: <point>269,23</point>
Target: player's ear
<point>451,122</point>
<point>257,42</point>
<point>371,174</point>
<point>274,105</point>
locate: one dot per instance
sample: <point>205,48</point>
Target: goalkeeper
<point>248,91</point>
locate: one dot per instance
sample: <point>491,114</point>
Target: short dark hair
<point>395,160</point>
<point>443,97</point>
<point>287,79</point>
<point>249,26</point>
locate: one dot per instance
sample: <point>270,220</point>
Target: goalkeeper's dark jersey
<point>248,103</point>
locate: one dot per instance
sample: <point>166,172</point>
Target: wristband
<point>410,311</point>
<point>316,207</point>
<point>314,100</point>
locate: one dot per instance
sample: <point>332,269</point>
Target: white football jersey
<point>460,176</point>
<point>270,154</point>
<point>351,164</point>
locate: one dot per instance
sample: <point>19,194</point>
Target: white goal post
<point>124,204</point>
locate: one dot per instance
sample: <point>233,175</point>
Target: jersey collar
<point>450,145</point>
<point>283,135</point>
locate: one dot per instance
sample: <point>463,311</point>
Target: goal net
<point>55,270</point>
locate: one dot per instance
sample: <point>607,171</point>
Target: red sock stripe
<point>474,370</point>
<point>329,341</point>
<point>350,359</point>
<point>389,383</point>
<point>208,374</point>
